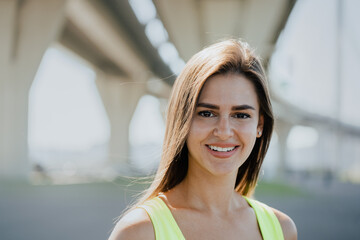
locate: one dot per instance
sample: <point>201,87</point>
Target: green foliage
<point>265,188</point>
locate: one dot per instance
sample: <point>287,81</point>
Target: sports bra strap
<point>165,226</point>
<point>268,222</point>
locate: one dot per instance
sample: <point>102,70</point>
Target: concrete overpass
<point>111,38</point>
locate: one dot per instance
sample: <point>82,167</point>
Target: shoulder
<point>287,224</point>
<point>135,225</point>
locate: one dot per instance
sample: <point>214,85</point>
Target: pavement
<point>320,210</point>
<point>88,211</point>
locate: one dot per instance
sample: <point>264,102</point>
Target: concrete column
<point>327,152</point>
<point>120,97</point>
<point>26,30</point>
<point>283,129</point>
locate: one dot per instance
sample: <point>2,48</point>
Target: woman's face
<point>225,125</point>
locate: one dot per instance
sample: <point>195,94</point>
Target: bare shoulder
<point>287,224</point>
<point>135,225</point>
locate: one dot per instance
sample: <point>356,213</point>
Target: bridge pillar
<point>282,129</point>
<point>328,151</point>
<point>26,30</point>
<point>120,96</point>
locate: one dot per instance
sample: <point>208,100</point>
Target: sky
<point>65,109</point>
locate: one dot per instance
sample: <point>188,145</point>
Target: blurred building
<point>120,59</point>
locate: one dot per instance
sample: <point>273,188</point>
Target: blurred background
<point>84,86</point>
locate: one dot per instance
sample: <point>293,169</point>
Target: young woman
<point>218,129</point>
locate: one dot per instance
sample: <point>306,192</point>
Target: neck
<point>204,191</point>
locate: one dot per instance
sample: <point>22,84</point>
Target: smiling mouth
<point>220,149</point>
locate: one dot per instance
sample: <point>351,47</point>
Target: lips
<point>222,150</point>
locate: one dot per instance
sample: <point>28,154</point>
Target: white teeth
<point>220,149</point>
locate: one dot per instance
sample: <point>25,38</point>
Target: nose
<point>223,129</point>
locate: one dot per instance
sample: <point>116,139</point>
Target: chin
<point>225,168</point>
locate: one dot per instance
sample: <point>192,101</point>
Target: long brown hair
<point>220,58</point>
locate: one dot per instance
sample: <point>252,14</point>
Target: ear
<point>260,126</point>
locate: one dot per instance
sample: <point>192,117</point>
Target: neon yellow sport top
<point>166,228</point>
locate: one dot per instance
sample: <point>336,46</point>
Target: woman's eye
<point>206,114</point>
<point>242,115</point>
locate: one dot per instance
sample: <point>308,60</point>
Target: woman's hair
<point>229,56</point>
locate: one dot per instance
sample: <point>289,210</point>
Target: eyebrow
<point>216,107</point>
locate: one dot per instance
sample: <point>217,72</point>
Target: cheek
<point>200,128</point>
<point>250,134</point>
<point>198,132</point>
<point>247,129</point>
